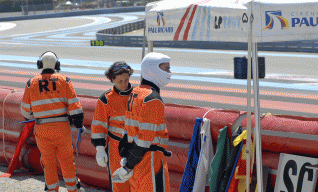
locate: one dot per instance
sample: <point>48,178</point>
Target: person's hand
<point>83,130</point>
<point>123,161</point>
<point>101,156</point>
<point>122,175</point>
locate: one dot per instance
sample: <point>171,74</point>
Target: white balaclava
<point>150,69</point>
<point>49,60</point>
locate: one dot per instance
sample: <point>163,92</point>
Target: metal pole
<point>27,7</point>
<point>22,8</point>
<point>257,129</point>
<point>248,120</point>
<point>150,46</point>
<point>144,42</point>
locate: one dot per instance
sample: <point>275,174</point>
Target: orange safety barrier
<point>90,173</point>
<point>288,134</point>
<point>7,152</point>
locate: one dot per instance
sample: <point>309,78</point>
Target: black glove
<point>77,120</point>
<point>78,124</point>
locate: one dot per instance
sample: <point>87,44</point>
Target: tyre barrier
<point>280,133</point>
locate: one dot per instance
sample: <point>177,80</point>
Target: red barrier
<point>179,156</point>
<point>9,101</point>
<point>31,160</point>
<point>180,119</point>
<point>29,156</point>
<point>289,134</point>
<point>89,104</point>
<point>90,173</point>
<point>12,129</point>
<point>271,161</point>
<point>12,101</point>
<point>87,169</point>
<point>175,180</point>
<point>6,152</point>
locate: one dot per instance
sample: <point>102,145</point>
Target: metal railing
<point>112,37</point>
<point>37,9</point>
<point>124,28</point>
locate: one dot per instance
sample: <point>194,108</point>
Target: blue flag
<point>193,159</point>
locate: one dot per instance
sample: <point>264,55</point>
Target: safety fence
<point>34,9</point>
<point>280,134</point>
<point>124,28</point>
<point>113,39</point>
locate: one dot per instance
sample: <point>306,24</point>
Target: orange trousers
<point>114,164</point>
<point>54,141</point>
<point>151,174</point>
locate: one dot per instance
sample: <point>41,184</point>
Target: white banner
<point>285,22</point>
<point>202,21</point>
<point>226,20</point>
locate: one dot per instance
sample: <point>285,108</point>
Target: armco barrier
<point>124,28</point>
<point>288,134</point>
<point>137,41</point>
<point>111,37</point>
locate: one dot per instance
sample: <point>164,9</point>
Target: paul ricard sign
<point>161,25</point>
<point>196,23</point>
<point>287,22</point>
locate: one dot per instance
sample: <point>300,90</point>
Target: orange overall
<point>145,124</point>
<point>50,98</point>
<point>108,120</point>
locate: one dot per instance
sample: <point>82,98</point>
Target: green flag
<point>220,160</point>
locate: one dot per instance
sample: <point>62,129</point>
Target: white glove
<point>84,131</point>
<point>101,156</point>
<point>122,175</point>
<point>123,161</point>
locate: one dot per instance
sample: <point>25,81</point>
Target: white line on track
<point>10,43</point>
<point>6,26</point>
<point>97,21</point>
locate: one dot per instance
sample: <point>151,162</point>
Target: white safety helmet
<point>48,60</point>
<point>150,69</point>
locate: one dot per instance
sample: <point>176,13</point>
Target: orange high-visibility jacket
<point>145,117</point>
<point>49,95</point>
<point>109,115</point>
<point>145,122</point>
